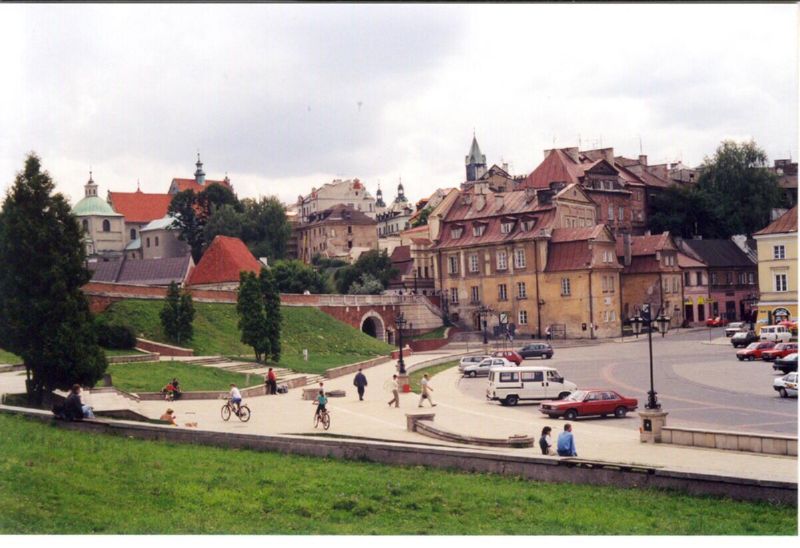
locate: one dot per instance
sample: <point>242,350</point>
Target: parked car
<point>537,350</point>
<point>787,364</point>
<point>743,338</point>
<point>775,333</point>
<point>718,321</point>
<point>754,350</point>
<point>510,355</point>
<point>735,327</point>
<point>786,386</point>
<point>781,350</point>
<point>470,360</point>
<point>482,369</point>
<point>510,385</point>
<point>589,402</point>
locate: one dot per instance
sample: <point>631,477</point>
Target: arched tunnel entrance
<point>372,325</point>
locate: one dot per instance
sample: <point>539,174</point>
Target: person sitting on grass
<point>169,392</point>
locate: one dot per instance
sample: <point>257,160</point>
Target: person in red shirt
<point>272,382</point>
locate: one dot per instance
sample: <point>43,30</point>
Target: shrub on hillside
<point>115,336</point>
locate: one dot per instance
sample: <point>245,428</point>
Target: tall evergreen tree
<point>252,319</point>
<point>272,312</point>
<point>44,316</point>
<point>184,326</point>
<point>169,312</point>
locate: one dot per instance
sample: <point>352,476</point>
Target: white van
<point>509,385</point>
<point>775,333</point>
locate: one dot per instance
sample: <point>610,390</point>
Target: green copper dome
<point>94,205</point>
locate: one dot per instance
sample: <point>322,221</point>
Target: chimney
<point>626,249</point>
<point>498,200</point>
<point>643,159</point>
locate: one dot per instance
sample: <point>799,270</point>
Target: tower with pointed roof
<point>401,194</point>
<point>199,174</point>
<point>379,203</point>
<point>475,161</point>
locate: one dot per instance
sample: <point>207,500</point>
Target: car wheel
<point>549,356</point>
<point>571,415</point>
<point>563,395</point>
<point>472,374</point>
<point>511,400</point>
<point>741,359</point>
<point>620,412</point>
<point>783,393</point>
<point>751,358</point>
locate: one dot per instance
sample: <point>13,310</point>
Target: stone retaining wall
<point>353,367</point>
<point>163,348</point>
<point>134,358</point>
<point>537,468</point>
<point>772,444</point>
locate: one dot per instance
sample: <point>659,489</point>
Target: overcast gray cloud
<point>286,97</point>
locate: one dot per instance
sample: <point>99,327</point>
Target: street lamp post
<point>483,313</point>
<point>644,319</point>
<point>400,322</point>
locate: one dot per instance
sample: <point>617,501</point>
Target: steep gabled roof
<point>142,271</point>
<point>139,207</point>
<point>222,262</point>
<point>561,235</point>
<point>340,213</point>
<point>719,253</point>
<point>784,224</point>
<point>645,245</point>
<point>556,166</point>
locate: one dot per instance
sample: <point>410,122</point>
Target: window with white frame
<point>565,289</point>
<point>527,225</point>
<point>502,292</point>
<point>506,227</point>
<point>502,260</point>
<point>621,213</point>
<point>778,252</point>
<point>473,262</point>
<point>611,213</point>
<point>452,264</point>
<point>456,232</point>
<point>454,295</point>
<point>780,282</point>
<point>676,283</point>
<point>519,258</point>
<point>687,279</point>
<point>522,292</point>
<point>751,278</point>
<point>699,276</point>
<point>523,317</point>
<point>478,230</point>
<point>476,294</point>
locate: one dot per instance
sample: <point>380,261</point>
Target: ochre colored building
<point>777,270</point>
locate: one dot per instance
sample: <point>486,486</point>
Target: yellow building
<point>777,270</point>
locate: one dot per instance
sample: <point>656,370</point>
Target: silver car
<point>786,386</point>
<point>734,327</point>
<point>470,360</point>
<point>482,369</point>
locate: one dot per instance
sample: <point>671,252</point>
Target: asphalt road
<point>698,383</point>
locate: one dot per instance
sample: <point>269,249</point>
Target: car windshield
<point>752,346</point>
<point>578,395</point>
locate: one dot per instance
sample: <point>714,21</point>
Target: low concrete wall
<point>11,368</point>
<point>353,367</point>
<point>134,358</point>
<point>163,349</point>
<point>732,441</point>
<point>422,423</point>
<point>537,468</point>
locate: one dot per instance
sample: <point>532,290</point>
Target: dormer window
<point>478,230</point>
<point>456,232</point>
<point>506,227</point>
<point>528,224</point>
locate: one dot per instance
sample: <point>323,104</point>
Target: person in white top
<point>395,392</point>
<point>236,397</point>
<point>426,391</point>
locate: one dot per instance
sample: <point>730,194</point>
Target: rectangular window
<point>478,230</point>
<point>699,280</point>
<point>452,264</point>
<point>527,225</point>
<point>565,287</point>
<point>687,279</point>
<point>473,262</point>
<point>780,282</point>
<point>454,295</point>
<point>349,229</point>
<point>476,295</point>
<point>507,227</point>
<point>502,293</point>
<point>751,278</point>
<point>621,213</point>
<point>611,213</point>
<point>523,317</point>
<point>778,252</point>
<point>519,258</point>
<point>713,278</point>
<point>509,377</point>
<point>502,260</point>
<point>522,293</point>
<point>455,233</point>
<point>676,285</point>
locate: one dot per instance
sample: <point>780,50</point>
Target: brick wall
<point>163,349</point>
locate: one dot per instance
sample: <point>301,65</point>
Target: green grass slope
<point>153,376</point>
<point>57,481</point>
<point>330,343</point>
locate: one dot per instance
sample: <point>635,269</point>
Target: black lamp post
<point>661,322</point>
<point>483,313</point>
<point>400,322</point>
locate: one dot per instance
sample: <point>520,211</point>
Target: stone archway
<point>372,325</point>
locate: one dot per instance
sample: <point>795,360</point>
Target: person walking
<point>272,382</point>
<point>566,442</point>
<point>426,391</point>
<point>546,442</point>
<point>360,382</point>
<point>395,392</point>
<point>547,336</point>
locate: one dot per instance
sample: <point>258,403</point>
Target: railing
<point>371,300</point>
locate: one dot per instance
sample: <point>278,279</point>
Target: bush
<point>116,336</point>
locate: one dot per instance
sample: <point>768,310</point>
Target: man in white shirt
<point>395,392</point>
<point>236,397</point>
<point>426,391</point>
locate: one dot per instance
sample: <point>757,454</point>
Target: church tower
<point>475,161</point>
<point>199,174</point>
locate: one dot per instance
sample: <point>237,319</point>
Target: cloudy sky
<point>284,97</point>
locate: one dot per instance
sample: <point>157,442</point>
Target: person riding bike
<point>320,402</point>
<point>235,398</point>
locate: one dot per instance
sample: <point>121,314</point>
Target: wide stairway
<point>257,370</point>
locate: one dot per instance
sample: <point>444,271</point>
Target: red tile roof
<point>557,166</point>
<point>570,255</point>
<point>686,261</point>
<point>786,223</point>
<point>561,235</point>
<point>186,184</point>
<point>138,207</point>
<point>222,262</point>
<point>645,245</point>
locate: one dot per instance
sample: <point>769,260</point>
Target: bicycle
<point>228,409</point>
<point>324,418</point>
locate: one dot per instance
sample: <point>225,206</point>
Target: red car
<point>754,350</point>
<point>781,350</point>
<point>719,321</point>
<point>582,403</point>
<point>510,355</point>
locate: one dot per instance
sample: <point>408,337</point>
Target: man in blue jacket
<point>566,442</point>
<point>360,382</point>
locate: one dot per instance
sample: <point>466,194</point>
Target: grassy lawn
<point>152,377</point>
<point>415,377</point>
<point>9,358</point>
<point>330,343</point>
<point>437,333</point>
<point>66,482</point>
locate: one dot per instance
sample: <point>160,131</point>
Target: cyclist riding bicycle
<point>320,402</point>
<point>235,397</point>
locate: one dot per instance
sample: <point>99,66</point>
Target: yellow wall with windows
<point>769,266</point>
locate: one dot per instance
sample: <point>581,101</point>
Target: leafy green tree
<point>177,315</point>
<point>366,285</point>
<point>188,222</point>
<point>213,197</point>
<point>265,227</point>
<point>44,316</point>
<point>252,318</point>
<point>272,312</point>
<point>422,218</point>
<point>686,211</point>
<point>373,262</point>
<point>297,277</point>
<point>186,312</point>
<point>225,221</point>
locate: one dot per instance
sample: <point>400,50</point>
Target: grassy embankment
<point>330,343</point>
<point>9,358</point>
<point>67,482</point>
<point>152,377</point>
<point>415,377</point>
<point>437,333</point>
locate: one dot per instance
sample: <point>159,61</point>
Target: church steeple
<point>475,161</point>
<point>379,197</point>
<point>90,188</point>
<point>199,174</point>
